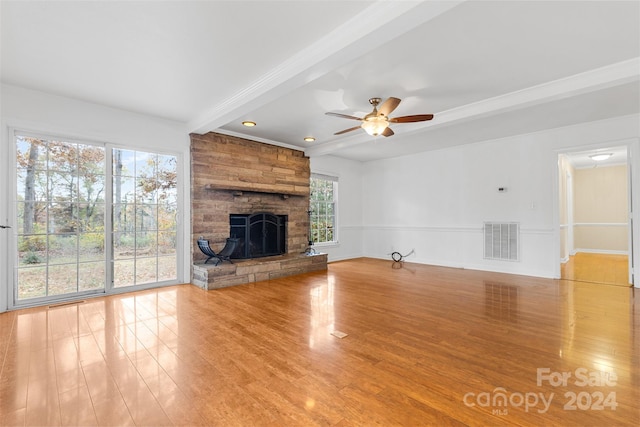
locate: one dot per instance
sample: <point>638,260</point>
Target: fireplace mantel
<point>281,190</point>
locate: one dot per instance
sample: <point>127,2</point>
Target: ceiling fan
<point>377,122</point>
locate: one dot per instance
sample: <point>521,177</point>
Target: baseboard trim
<point>601,251</point>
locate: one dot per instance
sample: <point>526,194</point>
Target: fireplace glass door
<point>260,234</point>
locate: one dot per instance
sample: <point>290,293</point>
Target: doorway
<point>594,216</point>
<point>90,219</point>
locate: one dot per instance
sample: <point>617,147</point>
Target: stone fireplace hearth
<point>207,276</point>
<point>239,177</point>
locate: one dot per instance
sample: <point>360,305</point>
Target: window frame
<point>335,201</point>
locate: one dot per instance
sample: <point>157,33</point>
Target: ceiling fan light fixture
<point>598,157</point>
<point>374,125</point>
<point>377,122</point>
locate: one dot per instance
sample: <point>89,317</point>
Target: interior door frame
<point>633,156</point>
<point>633,166</point>
<point>570,198</point>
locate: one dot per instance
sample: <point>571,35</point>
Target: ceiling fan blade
<point>347,130</point>
<point>411,119</point>
<point>387,132</point>
<point>344,116</point>
<point>388,106</point>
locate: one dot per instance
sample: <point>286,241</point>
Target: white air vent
<point>502,240</point>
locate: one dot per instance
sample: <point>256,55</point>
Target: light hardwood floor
<point>597,268</point>
<point>425,346</point>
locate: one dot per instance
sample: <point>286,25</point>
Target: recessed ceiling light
<point>249,124</point>
<point>600,156</point>
<point>309,138</point>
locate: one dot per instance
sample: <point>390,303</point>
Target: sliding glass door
<point>145,205</point>
<point>60,210</point>
<point>84,228</point>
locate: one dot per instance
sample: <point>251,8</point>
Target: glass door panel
<point>59,206</point>
<point>144,218</point>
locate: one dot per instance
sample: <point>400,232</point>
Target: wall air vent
<point>502,241</point>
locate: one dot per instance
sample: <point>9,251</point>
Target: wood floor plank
<point>425,346</point>
<point>608,269</point>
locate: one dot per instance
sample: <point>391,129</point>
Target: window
<point>324,199</point>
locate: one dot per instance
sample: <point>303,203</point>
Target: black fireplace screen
<point>260,234</point>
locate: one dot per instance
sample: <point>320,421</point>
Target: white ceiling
<point>486,69</point>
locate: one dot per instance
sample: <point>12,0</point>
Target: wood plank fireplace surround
<point>236,177</point>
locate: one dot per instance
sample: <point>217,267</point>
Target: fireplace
<point>261,234</point>
<point>231,175</point>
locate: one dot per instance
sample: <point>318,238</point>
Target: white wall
<point>436,202</point>
<point>39,112</point>
<point>69,117</point>
<point>349,175</point>
<point>601,211</point>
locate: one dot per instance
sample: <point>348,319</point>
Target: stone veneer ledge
<point>208,276</point>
